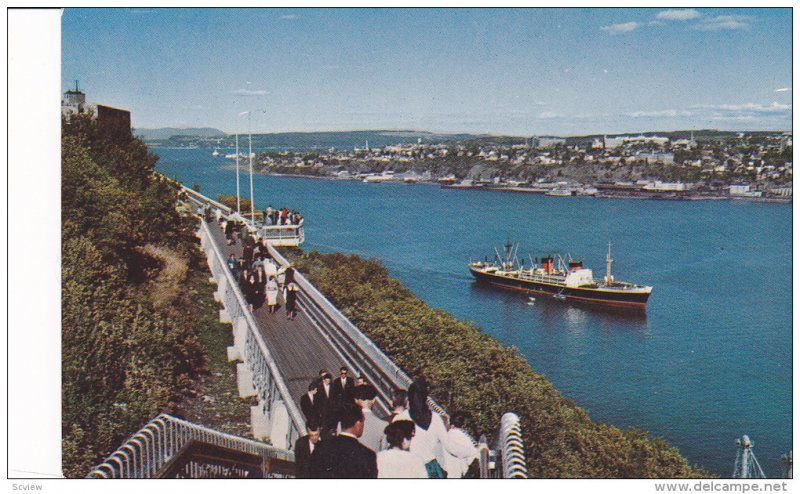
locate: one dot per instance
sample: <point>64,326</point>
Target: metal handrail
<point>366,356</point>
<point>162,438</point>
<point>294,412</point>
<point>484,458</point>
<point>511,447</point>
<point>204,199</point>
<point>361,353</point>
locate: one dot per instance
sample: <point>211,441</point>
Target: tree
<point>125,356</point>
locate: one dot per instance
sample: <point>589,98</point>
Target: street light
<point>238,204</point>
<point>250,155</point>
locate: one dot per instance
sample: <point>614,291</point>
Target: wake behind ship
<point>568,280</point>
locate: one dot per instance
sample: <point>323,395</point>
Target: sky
<point>502,71</point>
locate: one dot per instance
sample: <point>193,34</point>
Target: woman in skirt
<point>251,291</point>
<point>272,294</point>
<point>290,296</point>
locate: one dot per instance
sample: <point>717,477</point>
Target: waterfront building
<point>742,190</point>
<point>781,191</point>
<point>659,186</point>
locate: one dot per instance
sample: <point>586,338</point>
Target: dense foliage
<point>470,371</point>
<point>129,343</point>
<point>231,202</point>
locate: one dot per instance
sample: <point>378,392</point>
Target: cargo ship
<point>559,278</point>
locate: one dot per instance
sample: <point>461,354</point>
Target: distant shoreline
<point>649,196</point>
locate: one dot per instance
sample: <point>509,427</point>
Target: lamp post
<point>238,203</point>
<point>250,155</point>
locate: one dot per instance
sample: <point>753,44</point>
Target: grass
<point>216,403</point>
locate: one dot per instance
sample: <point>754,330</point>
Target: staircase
<point>169,447</point>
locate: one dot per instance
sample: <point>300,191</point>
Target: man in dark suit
<point>326,405</point>
<point>342,387</point>
<point>303,448</point>
<point>342,456</point>
<point>309,404</point>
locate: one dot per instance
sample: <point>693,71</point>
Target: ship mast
<point>608,265</point>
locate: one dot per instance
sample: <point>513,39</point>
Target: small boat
<point>215,153</point>
<point>386,176</point>
<point>559,192</point>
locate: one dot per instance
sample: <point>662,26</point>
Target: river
<point>710,361</point>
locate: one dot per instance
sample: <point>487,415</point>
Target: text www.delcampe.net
<point>717,486</point>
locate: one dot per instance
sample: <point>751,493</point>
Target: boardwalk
<point>298,347</point>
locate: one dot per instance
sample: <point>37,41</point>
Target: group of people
<point>345,439</point>
<point>282,216</point>
<point>261,279</point>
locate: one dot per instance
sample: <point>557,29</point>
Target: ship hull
<point>622,299</point>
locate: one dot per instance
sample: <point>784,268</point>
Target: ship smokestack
<point>609,278</point>
<point>547,265</point>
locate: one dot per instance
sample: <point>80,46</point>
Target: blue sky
<point>510,71</point>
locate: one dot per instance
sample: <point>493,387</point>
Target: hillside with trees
<point>130,345</point>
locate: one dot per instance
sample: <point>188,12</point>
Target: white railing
<point>507,459</point>
<point>283,235</point>
<point>267,380</point>
<point>359,351</point>
<point>147,451</point>
<point>511,447</point>
<point>280,235</point>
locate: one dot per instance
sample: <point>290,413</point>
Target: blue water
<point>710,361</point>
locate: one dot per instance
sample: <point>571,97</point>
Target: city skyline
<point>497,71</point>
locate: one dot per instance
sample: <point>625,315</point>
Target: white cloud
<point>678,14</point>
<point>723,22</point>
<point>659,114</point>
<point>547,115</point>
<point>625,27</point>
<point>290,17</point>
<point>775,107</point>
<point>250,92</point>
<point>783,89</point>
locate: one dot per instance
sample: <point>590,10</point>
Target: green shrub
<point>470,371</point>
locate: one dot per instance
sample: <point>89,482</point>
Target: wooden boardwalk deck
<point>298,348</point>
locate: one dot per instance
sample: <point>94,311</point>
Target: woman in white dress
<point>397,462</point>
<point>461,452</point>
<point>430,435</point>
<point>272,294</point>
